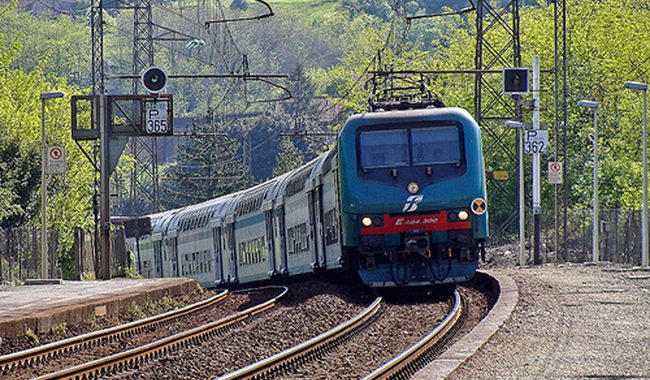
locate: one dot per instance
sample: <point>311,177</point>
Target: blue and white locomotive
<point>401,201</point>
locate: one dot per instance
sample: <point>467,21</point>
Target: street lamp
<point>519,126</point>
<point>596,221</point>
<point>44,97</point>
<point>645,253</point>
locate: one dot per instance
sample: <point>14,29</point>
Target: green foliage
<point>289,158</point>
<point>134,312</point>
<point>206,168</point>
<point>21,84</point>
<point>608,44</point>
<point>20,180</point>
<point>32,336</point>
<point>58,45</point>
<point>60,329</point>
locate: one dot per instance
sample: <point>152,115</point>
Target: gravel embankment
<point>313,307</point>
<point>571,322</point>
<point>126,314</point>
<point>398,327</point>
<point>230,305</point>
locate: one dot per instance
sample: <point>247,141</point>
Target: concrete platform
<point>456,355</point>
<point>570,321</point>
<point>41,307</point>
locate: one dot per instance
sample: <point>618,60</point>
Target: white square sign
<point>555,173</point>
<point>156,118</point>
<point>55,163</point>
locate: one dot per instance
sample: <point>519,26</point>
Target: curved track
<point>399,367</point>
<point>406,363</point>
<point>271,366</point>
<point>52,350</point>
<point>152,350</point>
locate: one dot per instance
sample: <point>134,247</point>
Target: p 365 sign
<point>157,118</point>
<point>535,141</point>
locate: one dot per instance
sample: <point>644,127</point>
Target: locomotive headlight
<point>413,188</point>
<point>463,215</point>
<point>367,221</point>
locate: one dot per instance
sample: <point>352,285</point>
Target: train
<point>399,201</point>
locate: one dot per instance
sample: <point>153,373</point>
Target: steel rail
<point>395,366</point>
<point>35,355</point>
<point>152,350</point>
<point>294,354</point>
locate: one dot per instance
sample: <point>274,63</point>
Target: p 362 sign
<point>156,118</point>
<point>535,141</point>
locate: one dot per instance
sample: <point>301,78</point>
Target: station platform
<point>569,321</point>
<point>41,307</point>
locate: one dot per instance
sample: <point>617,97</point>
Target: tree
<point>206,168</point>
<point>288,158</point>
<point>19,181</point>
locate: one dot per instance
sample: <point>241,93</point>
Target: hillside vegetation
<point>327,48</point>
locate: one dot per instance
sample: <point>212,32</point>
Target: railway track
<point>53,350</point>
<point>405,363</point>
<point>152,350</point>
<point>272,365</point>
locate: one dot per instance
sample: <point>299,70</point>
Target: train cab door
<point>320,236</point>
<point>157,258</point>
<point>270,241</point>
<point>282,238</point>
<point>232,245</point>
<point>216,248</point>
<point>312,201</point>
<point>172,257</point>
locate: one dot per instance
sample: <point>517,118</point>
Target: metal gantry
<point>491,106</point>
<point>145,188</point>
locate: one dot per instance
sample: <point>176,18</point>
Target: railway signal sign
<point>55,160</point>
<point>555,173</point>
<point>157,120</point>
<point>515,81</point>
<point>535,141</point>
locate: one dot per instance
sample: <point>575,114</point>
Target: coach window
<point>382,149</point>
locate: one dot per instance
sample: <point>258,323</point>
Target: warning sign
<point>555,173</point>
<point>55,160</point>
<point>479,206</point>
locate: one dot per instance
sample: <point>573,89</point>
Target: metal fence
<point>20,254</point>
<point>620,237</point>
<point>87,263</point>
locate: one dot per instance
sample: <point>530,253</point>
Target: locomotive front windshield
<point>410,147</point>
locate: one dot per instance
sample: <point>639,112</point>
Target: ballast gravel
<point>312,308</point>
<point>572,322</point>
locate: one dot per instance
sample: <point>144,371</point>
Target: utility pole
<point>537,201</point>
<point>105,196</point>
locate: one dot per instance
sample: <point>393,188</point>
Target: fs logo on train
<point>412,203</point>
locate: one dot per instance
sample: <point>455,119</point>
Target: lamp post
<point>519,126</point>
<point>596,221</point>
<point>44,97</point>
<point>645,253</point>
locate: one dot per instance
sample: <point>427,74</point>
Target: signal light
<point>515,81</point>
<point>154,79</point>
